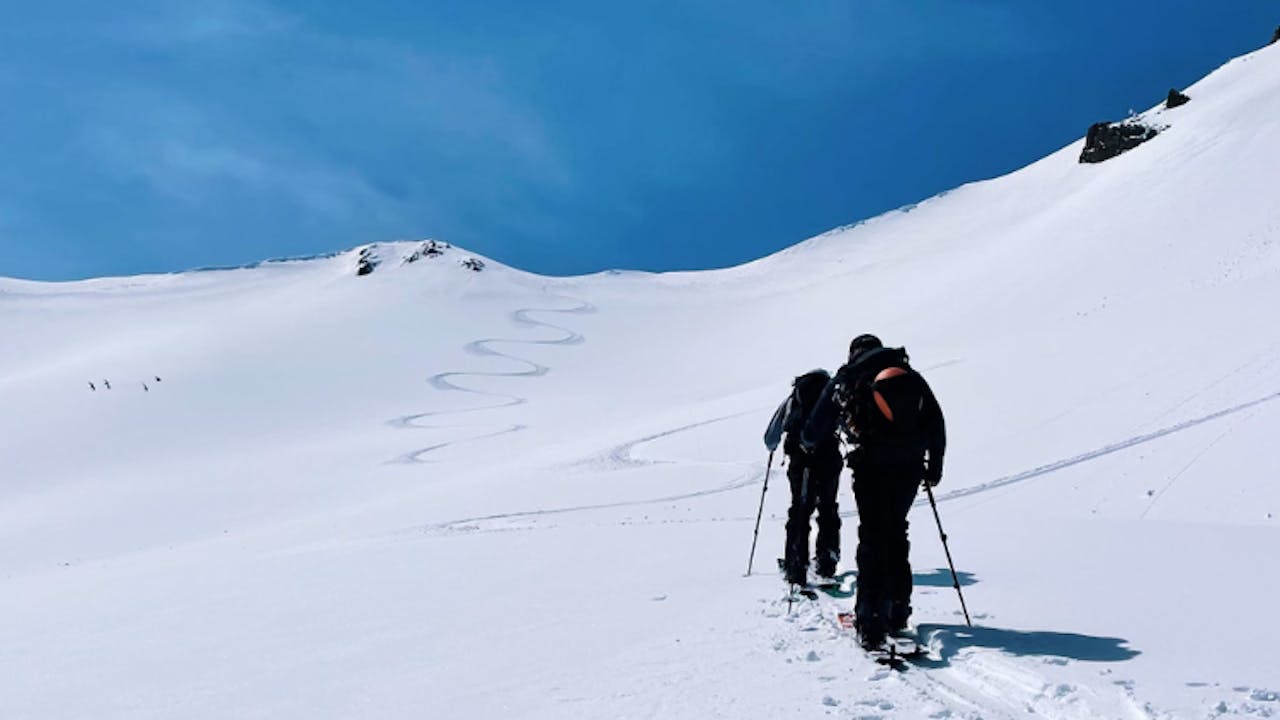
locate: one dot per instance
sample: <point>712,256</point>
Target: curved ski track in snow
<point>619,456</point>
<point>483,348</point>
<point>1099,452</point>
<point>616,458</point>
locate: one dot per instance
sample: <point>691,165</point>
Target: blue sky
<point>561,137</point>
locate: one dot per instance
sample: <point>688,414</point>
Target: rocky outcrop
<point>367,261</point>
<point>1107,139</point>
<point>372,256</point>
<point>429,249</point>
<point>1275,36</point>
<point>1176,99</point>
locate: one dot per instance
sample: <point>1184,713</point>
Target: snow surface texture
<point>432,492</point>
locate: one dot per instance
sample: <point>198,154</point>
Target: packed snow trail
<point>968,670</point>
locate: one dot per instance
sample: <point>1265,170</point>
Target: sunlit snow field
<point>433,492</point>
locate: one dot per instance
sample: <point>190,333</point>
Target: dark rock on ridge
<point>1106,140</point>
<point>367,262</point>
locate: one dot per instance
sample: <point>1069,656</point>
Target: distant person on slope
<point>892,419</point>
<point>815,480</point>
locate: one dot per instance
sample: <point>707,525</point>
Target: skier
<point>91,386</point>
<point>815,479</point>
<point>892,419</point>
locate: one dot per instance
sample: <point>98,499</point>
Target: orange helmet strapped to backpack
<point>885,374</point>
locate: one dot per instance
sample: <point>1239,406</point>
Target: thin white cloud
<point>201,172</point>
<point>473,148</point>
<point>169,24</point>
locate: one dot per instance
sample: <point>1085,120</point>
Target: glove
<point>933,472</point>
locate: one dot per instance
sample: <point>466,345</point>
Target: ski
<point>905,645</point>
<point>897,651</point>
<point>886,655</point>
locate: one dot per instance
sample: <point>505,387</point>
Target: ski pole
<point>756,535</point>
<point>955,579</point>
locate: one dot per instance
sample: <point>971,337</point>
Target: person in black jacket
<point>815,480</point>
<point>890,416</point>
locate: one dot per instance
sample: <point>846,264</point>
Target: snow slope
<point>431,492</point>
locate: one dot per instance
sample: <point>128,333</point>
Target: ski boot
<point>825,565</point>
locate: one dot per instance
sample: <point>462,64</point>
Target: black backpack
<point>807,388</point>
<point>805,391</point>
<point>882,397</point>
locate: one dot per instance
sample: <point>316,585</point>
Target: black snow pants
<point>884,492</point>
<point>815,480</point>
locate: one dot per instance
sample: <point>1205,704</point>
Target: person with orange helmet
<point>889,415</point>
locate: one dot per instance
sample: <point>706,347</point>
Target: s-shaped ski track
<point>447,381</point>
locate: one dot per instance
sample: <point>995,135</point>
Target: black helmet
<point>862,343</point>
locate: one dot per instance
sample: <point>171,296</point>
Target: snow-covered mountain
<point>437,491</point>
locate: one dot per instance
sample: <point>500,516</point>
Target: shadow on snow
<point>945,641</point>
<point>941,577</point>
<point>948,640</point>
